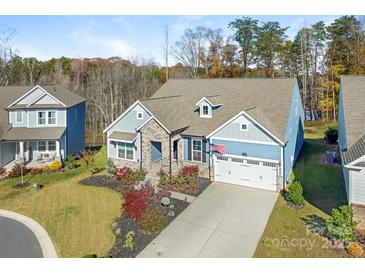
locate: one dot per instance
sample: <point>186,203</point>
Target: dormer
<point>206,108</point>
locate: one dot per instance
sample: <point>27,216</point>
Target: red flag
<point>219,148</point>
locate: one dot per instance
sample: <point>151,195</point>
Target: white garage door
<point>246,172</point>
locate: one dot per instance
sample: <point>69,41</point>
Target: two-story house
<point>40,124</point>
<point>241,131</point>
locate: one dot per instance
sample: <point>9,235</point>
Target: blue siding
<point>294,132</point>
<point>341,123</point>
<point>271,152</point>
<point>75,130</point>
<point>156,151</point>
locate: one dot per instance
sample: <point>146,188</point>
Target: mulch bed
<point>103,181</point>
<point>20,185</point>
<point>203,183</point>
<point>141,239</point>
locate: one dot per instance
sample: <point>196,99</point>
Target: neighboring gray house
<point>241,131</point>
<point>39,124</point>
<point>351,135</point>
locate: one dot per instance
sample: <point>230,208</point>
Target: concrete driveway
<point>17,240</point>
<point>224,221</point>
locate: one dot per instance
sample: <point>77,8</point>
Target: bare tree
<point>6,53</point>
<point>189,48</point>
<point>166,48</point>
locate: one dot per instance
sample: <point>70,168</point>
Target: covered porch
<point>40,147</point>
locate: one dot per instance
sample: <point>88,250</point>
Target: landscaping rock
<point>118,231</point>
<point>114,226</point>
<point>171,213</point>
<point>172,206</point>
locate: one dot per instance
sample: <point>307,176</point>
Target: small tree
<point>295,193</point>
<point>331,134</point>
<point>341,225</point>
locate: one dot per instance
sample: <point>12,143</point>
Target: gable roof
<point>265,100</point>
<point>9,94</point>
<point>353,97</point>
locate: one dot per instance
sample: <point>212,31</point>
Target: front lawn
<point>78,218</point>
<point>286,234</point>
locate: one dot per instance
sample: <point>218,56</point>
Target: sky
<point>46,37</point>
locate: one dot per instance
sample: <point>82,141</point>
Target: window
<point>41,118</point>
<point>51,117</point>
<point>125,151</point>
<point>19,116</point>
<point>205,110</point>
<point>42,146</point>
<point>175,149</point>
<point>140,115</point>
<point>197,150</point>
<point>156,151</point>
<point>243,127</point>
<point>51,145</point>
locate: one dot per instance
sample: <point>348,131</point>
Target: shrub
<point>35,170</point>
<point>153,197</point>
<point>87,157</point>
<point>129,240</point>
<point>123,174</point>
<point>354,249</point>
<point>110,167</point>
<point>138,175</point>
<point>153,220</point>
<point>2,170</point>
<point>341,225</point>
<point>295,193</point>
<point>55,165</point>
<point>189,171</point>
<point>164,178</point>
<point>331,134</point>
<point>16,171</point>
<point>135,203</point>
<point>45,168</point>
<point>71,163</point>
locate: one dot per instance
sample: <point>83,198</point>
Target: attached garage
<point>246,171</point>
<point>357,187</point>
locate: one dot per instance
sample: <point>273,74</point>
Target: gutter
<point>170,168</point>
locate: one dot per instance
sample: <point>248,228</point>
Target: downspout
<point>284,177</point>
<point>170,168</point>
<point>140,152</point>
<point>209,164</point>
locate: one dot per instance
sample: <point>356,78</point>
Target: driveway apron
<point>225,221</point>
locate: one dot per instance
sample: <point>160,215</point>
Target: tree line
<point>316,56</point>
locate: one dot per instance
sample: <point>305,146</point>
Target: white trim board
<point>30,91</point>
<point>243,141</point>
<point>253,120</point>
<point>351,165</point>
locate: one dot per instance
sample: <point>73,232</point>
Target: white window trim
<point>125,147</point>
<point>192,150</point>
<point>241,129</point>
<point>46,124</point>
<point>47,147</point>
<point>16,116</point>
<point>202,115</point>
<point>138,113</point>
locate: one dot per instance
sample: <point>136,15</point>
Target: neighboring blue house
<point>39,124</point>
<point>351,136</point>
<point>241,131</point>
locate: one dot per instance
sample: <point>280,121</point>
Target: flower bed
<point>186,181</point>
<point>103,181</point>
<point>124,225</point>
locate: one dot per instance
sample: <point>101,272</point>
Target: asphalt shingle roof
<point>353,96</point>
<point>9,94</point>
<point>18,133</point>
<point>123,136</point>
<point>265,100</point>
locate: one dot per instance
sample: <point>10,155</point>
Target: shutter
<point>189,149</point>
<point>204,151</point>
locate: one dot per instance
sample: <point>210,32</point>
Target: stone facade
<point>152,131</point>
<point>125,163</point>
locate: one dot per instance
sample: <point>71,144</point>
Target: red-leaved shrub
<point>123,173</point>
<point>2,170</point>
<point>35,170</point>
<point>189,171</point>
<point>135,203</point>
<point>16,171</point>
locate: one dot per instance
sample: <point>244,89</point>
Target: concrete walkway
<point>22,237</point>
<point>225,221</point>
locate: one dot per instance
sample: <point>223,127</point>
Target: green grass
<point>323,190</point>
<point>78,218</point>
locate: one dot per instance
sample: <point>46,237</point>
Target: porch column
<point>21,151</point>
<point>58,149</point>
